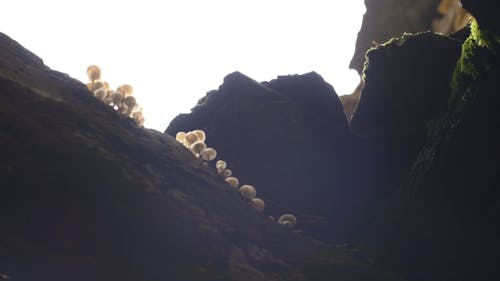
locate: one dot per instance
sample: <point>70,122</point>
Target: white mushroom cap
<point>198,146</point>
<point>258,204</point>
<point>208,154</point>
<point>116,98</point>
<point>136,109</point>
<point>180,136</point>
<point>234,182</point>
<point>248,191</point>
<point>288,220</point>
<point>101,94</point>
<point>130,101</point>
<point>138,118</point>
<point>201,135</point>
<point>221,166</point>
<point>99,85</point>
<point>126,89</point>
<point>131,105</point>
<point>227,173</point>
<point>94,72</point>
<point>190,139</point>
<point>137,115</point>
<point>123,109</point>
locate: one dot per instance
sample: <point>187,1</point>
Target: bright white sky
<point>173,52</point>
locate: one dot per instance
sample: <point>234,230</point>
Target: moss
<point>478,51</point>
<point>484,38</point>
<point>464,68</point>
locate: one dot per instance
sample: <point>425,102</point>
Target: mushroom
<point>101,94</point>
<point>227,173</point>
<point>180,136</point>
<point>234,182</point>
<point>138,117</point>
<point>131,103</point>
<point>197,147</point>
<point>94,74</point>
<point>287,220</point>
<point>200,134</point>
<point>221,166</point>
<point>190,138</point>
<point>258,204</point>
<point>99,85</point>
<point>208,154</point>
<point>116,98</point>
<point>126,89</point>
<point>248,191</point>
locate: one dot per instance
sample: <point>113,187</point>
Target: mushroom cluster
<point>121,99</point>
<point>195,142</point>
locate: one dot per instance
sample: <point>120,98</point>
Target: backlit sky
<point>173,52</point>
